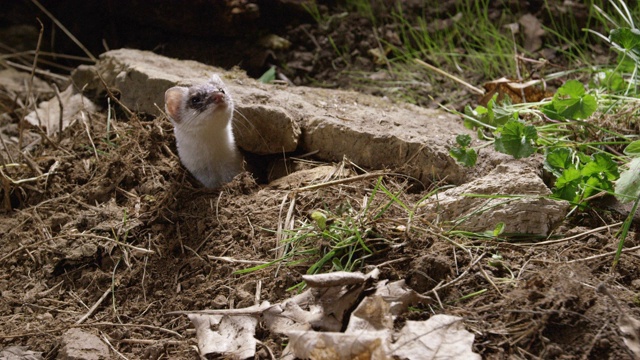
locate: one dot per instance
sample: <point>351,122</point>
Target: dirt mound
<point>114,234</point>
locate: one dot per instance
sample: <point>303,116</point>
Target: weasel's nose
<point>217,97</point>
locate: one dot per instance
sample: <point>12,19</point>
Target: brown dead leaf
<point>517,91</point>
<point>533,32</point>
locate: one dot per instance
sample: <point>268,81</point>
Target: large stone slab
<point>370,131</point>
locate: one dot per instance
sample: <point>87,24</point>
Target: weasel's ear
<point>173,99</point>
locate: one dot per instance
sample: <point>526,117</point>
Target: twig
<point>57,91</point>
<point>341,181</point>
<point>587,258</point>
<point>86,127</point>
<point>104,337</point>
<point>64,29</point>
<point>37,71</point>
<point>235,261</point>
<point>63,328</point>
<point>30,86</point>
<point>93,308</point>
<point>452,77</point>
<point>486,276</point>
<point>439,287</point>
<point>601,255</point>
<point>142,250</point>
<point>549,242</point>
<point>150,342</point>
<point>271,356</point>
<point>113,97</point>
<point>258,290</point>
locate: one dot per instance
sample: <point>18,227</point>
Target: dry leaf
<point>533,32</point>
<point>514,90</point>
<point>338,346</point>
<point>228,335</point>
<point>440,337</point>
<point>48,112</point>
<point>369,334</point>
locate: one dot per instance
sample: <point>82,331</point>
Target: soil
<point>106,216</point>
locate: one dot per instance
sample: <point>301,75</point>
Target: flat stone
<point>524,208</point>
<point>334,124</point>
<point>81,345</point>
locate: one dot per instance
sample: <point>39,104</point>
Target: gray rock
<point>81,345</point>
<point>524,209</point>
<point>368,130</point>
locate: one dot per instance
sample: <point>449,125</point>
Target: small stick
<point>258,290</point>
<point>340,181</point>
<point>94,307</point>
<point>461,275</point>
<point>104,337</point>
<point>235,261</point>
<point>452,77</point>
<point>55,87</point>
<point>606,227</point>
<point>37,71</point>
<point>113,97</point>
<point>64,29</point>
<point>30,86</point>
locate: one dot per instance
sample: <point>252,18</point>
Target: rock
<point>528,213</point>
<point>81,345</point>
<point>368,130</point>
<point>269,121</point>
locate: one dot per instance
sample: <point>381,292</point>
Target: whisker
<point>247,125</point>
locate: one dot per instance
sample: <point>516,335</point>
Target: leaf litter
<point>312,321</point>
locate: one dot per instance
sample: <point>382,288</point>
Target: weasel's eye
<point>195,100</point>
<point>221,90</point>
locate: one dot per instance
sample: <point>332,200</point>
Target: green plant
<point>462,153</point>
<point>337,239</point>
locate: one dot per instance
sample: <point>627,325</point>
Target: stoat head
<point>198,106</point>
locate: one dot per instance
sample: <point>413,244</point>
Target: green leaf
<point>480,113</point>
<point>571,101</point>
<point>516,139</point>
<point>571,89</point>
<point>499,229</point>
<point>633,149</point>
<point>268,76</point>
<point>593,185</point>
<point>603,165</point>
<point>320,218</point>
<point>610,80</point>
<point>500,115</point>
<point>463,140</point>
<point>628,39</point>
<point>559,159</point>
<point>628,186</point>
<point>467,157</point>
<point>568,185</point>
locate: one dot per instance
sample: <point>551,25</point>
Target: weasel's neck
<point>210,154</point>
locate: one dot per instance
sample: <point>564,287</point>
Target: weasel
<point>201,116</point>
